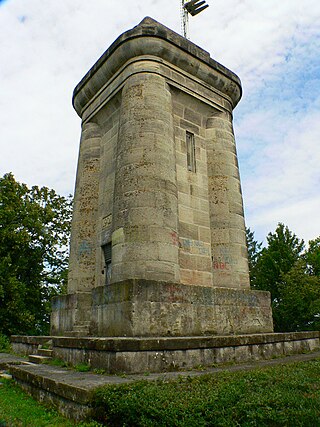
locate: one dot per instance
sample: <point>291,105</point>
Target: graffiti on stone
<point>84,248</point>
<point>194,246</point>
<point>175,239</point>
<point>222,259</point>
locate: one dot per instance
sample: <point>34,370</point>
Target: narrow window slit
<point>107,252</point>
<point>191,152</point>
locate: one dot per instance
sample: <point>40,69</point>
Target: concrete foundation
<point>145,308</point>
<point>159,354</point>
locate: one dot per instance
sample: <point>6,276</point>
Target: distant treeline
<point>34,240</point>
<point>291,273</point>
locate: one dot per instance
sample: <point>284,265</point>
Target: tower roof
<point>150,37</point>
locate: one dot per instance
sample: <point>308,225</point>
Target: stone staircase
<point>80,329</point>
<point>44,354</point>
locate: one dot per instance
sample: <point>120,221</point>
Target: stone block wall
<point>140,355</point>
<point>145,200</point>
<point>83,245</point>
<point>194,236</point>
<point>108,119</point>
<point>153,308</point>
<point>158,197</point>
<point>135,188</point>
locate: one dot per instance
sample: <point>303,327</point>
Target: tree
<point>299,293</point>
<point>283,250</point>
<point>312,257</point>
<point>34,236</point>
<point>254,252</point>
<point>291,275</point>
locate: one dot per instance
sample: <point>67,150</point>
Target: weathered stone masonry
<point>158,237</point>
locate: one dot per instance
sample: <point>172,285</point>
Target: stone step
<point>81,326</point>
<point>70,391</point>
<point>78,334</point>
<point>81,329</point>
<point>45,352</point>
<point>5,376</point>
<point>82,322</point>
<point>35,358</point>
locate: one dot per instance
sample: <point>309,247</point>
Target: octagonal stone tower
<point>158,243</point>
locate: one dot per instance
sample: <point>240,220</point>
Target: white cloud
<point>299,216</point>
<point>47,47</point>
<point>284,180</point>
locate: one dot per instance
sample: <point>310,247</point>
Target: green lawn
<point>19,410</point>
<point>284,395</point>
<point>287,395</point>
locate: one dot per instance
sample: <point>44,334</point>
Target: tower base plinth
<point>146,308</point>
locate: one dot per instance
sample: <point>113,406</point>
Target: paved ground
<point>10,359</point>
<point>88,381</point>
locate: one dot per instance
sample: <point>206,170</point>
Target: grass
<point>81,367</point>
<point>19,410</point>
<point>283,395</point>
<point>58,362</point>
<point>287,395</point>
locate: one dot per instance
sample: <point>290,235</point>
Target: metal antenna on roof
<point>193,7</point>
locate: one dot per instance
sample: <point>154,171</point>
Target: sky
<point>47,46</point>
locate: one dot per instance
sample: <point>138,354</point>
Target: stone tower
<point>158,245</point>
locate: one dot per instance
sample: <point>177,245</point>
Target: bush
<point>278,396</point>
<point>4,343</point>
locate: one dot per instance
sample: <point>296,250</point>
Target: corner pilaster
<point>83,244</point>
<point>228,238</point>
<point>145,211</point>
